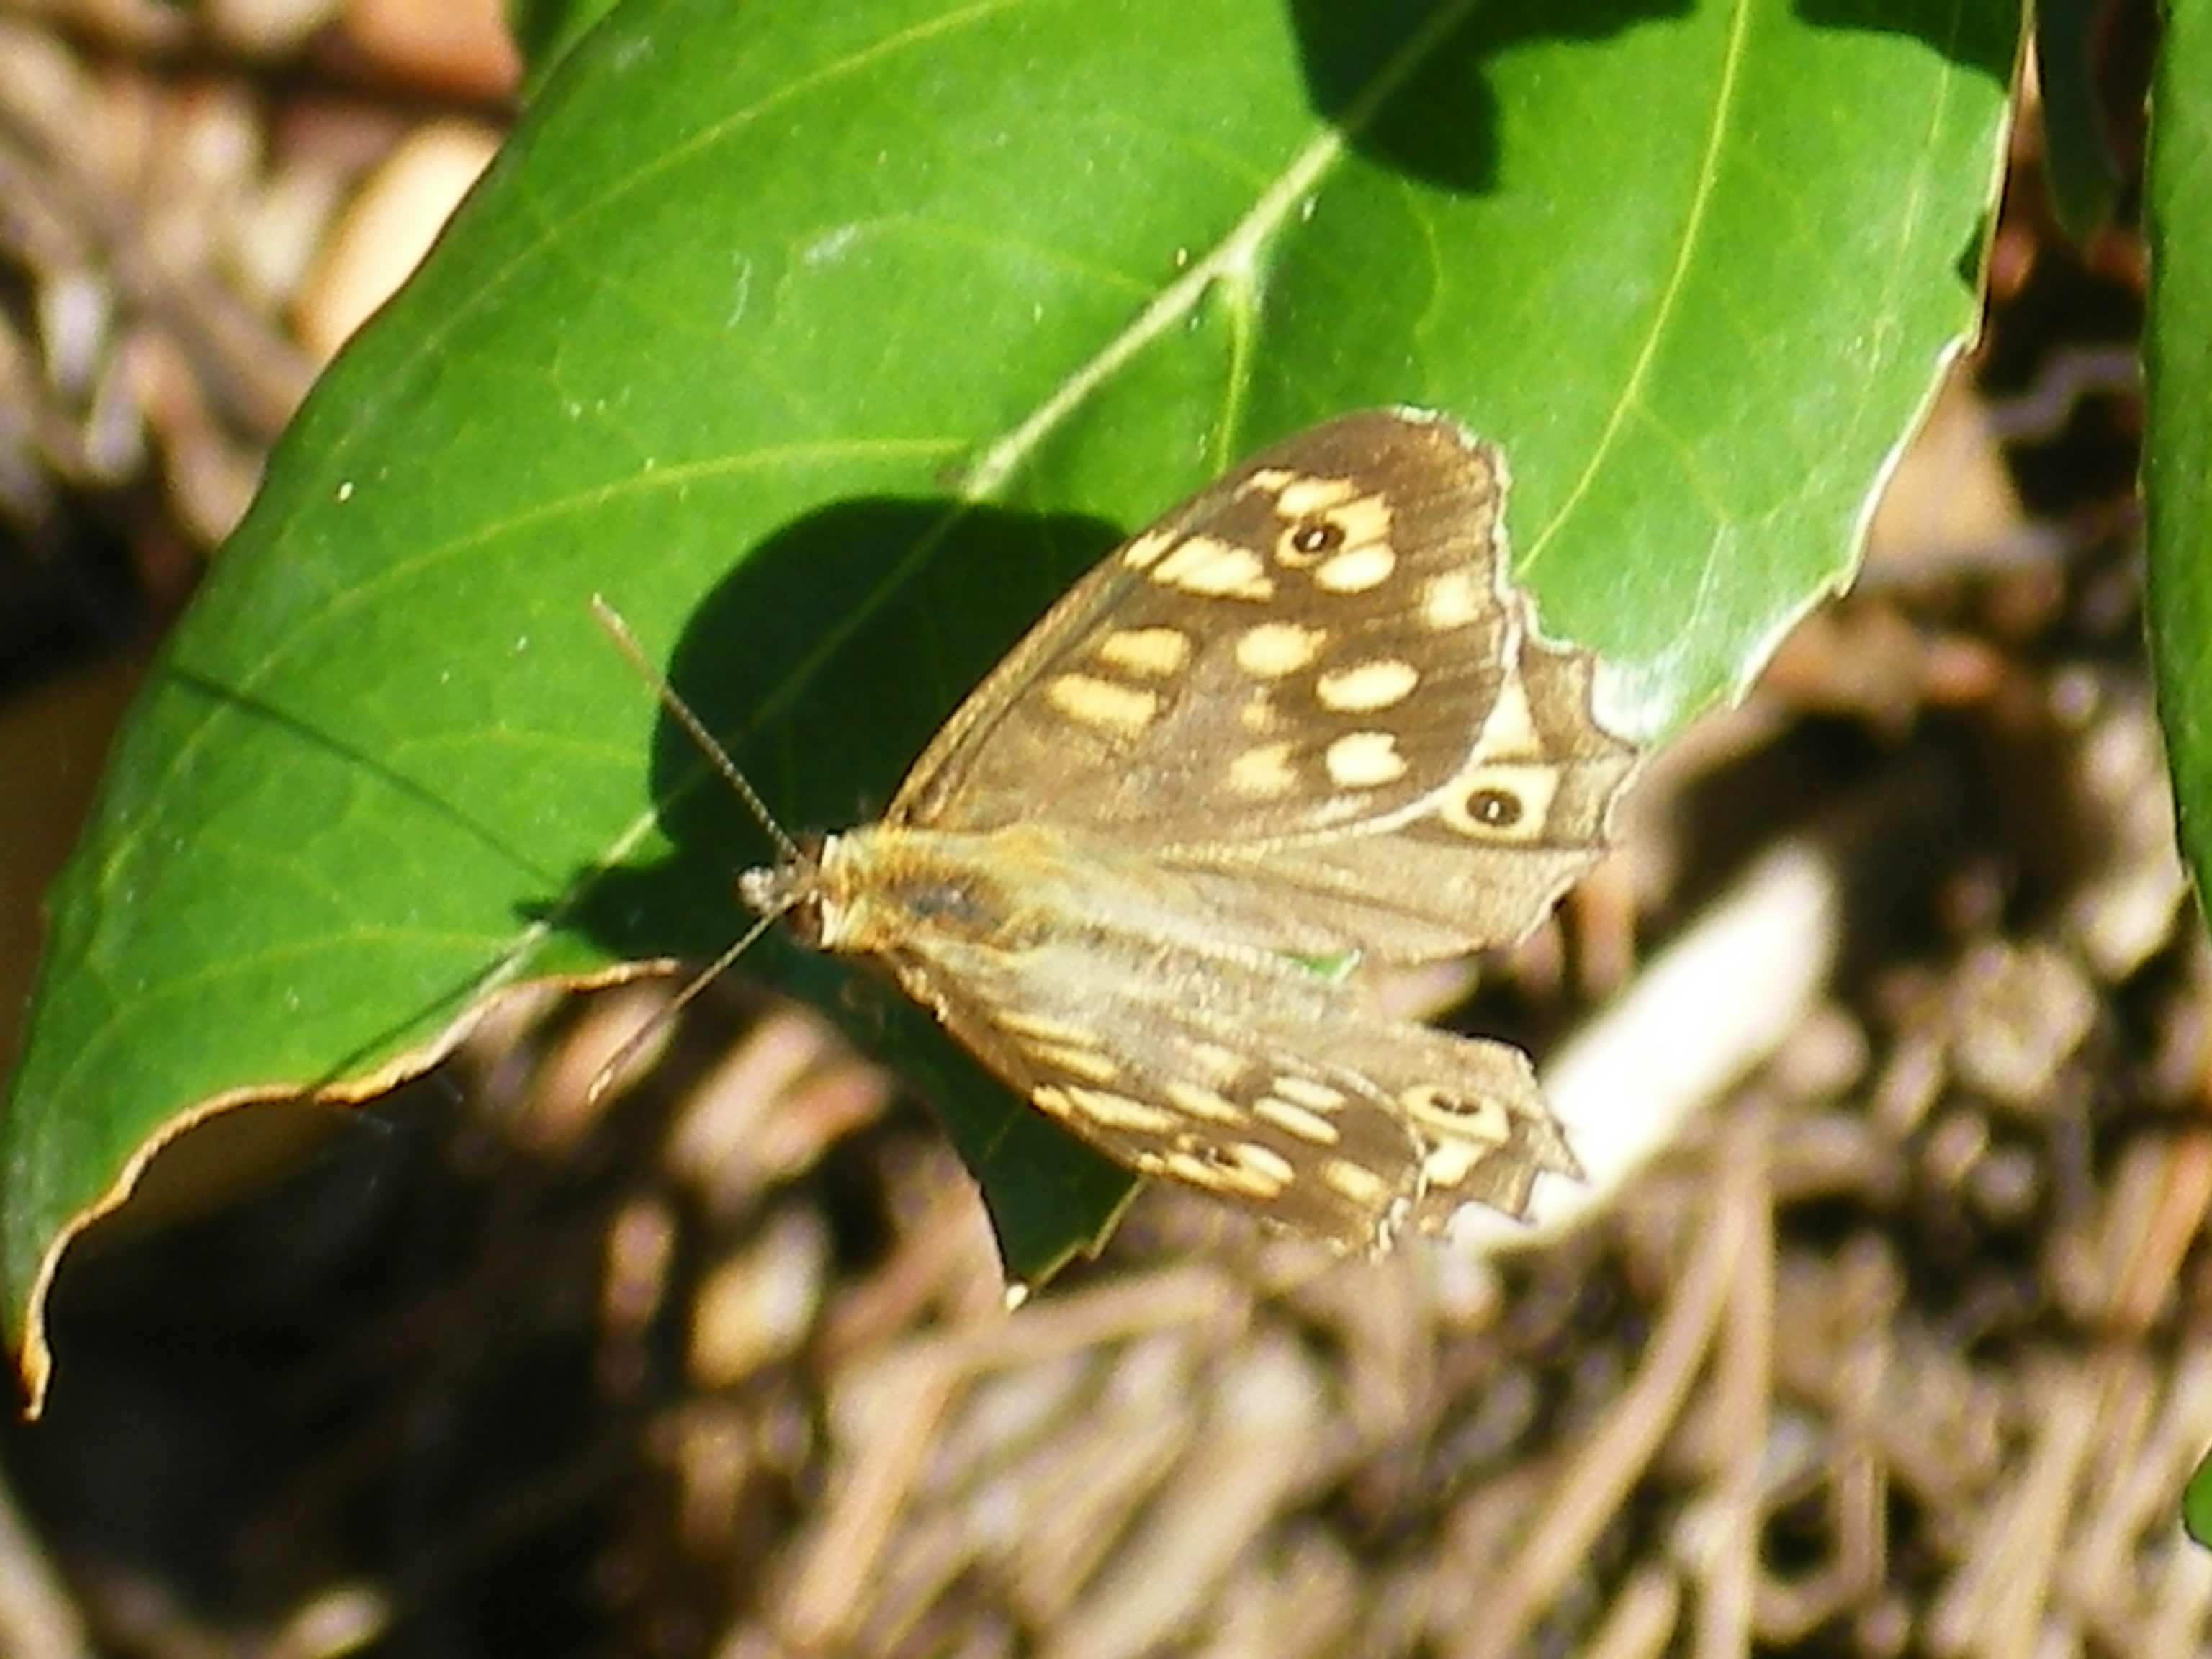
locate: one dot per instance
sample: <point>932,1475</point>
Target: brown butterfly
<point>1300,725</point>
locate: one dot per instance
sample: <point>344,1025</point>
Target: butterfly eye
<point>808,918</point>
<point>1310,539</point>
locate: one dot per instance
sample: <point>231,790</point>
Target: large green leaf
<point>2177,479</point>
<point>546,30</point>
<point>2178,437</point>
<point>2078,166</point>
<point>830,341</point>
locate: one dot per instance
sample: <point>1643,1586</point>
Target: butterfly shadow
<point>1982,40</point>
<point>824,662</point>
<point>1439,123</point>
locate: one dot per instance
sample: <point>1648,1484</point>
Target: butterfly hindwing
<point>1251,1077</point>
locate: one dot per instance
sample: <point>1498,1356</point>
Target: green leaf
<point>829,342</point>
<point>546,30</point>
<point>2084,175</point>
<point>2177,434</point>
<point>2178,461</point>
<point>2197,1504</point>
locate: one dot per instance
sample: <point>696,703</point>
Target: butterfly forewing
<point>1311,642</point>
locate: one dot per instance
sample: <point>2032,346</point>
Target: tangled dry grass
<point>1890,1338</point>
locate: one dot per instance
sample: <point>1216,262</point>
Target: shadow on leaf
<point>1423,106</point>
<point>824,662</point>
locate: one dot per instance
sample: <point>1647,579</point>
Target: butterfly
<point>1302,725</point>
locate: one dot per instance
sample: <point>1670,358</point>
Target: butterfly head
<point>792,890</point>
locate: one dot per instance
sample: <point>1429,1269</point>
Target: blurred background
<point>1898,1348</point>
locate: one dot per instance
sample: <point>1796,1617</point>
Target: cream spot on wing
<point>1357,570</point>
<point>1224,1065</point>
<point>1365,760</point>
<point>1449,1164</point>
<point>1356,1182</point>
<point>1274,649</point>
<point>1450,601</point>
<point>1149,652</point>
<point>1270,479</point>
<point>1298,497</point>
<point>1089,701</point>
<point>1215,569</point>
<point>1241,1166</point>
<point>1114,1111</point>
<point>1201,1101</point>
<point>1509,733</point>
<point>1144,553</point>
<point>1258,714</point>
<point>1193,1170</point>
<point>1367,686</point>
<point>1024,1024</point>
<point>1263,773</point>
<point>1297,1120</point>
<point>1307,1092</point>
<point>1367,519</point>
<point>1266,1161</point>
<point>1091,1064</point>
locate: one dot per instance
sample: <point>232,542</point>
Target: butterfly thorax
<point>867,890</point>
<point>877,888</point>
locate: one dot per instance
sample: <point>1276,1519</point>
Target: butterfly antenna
<point>602,1079</point>
<point>627,642</point>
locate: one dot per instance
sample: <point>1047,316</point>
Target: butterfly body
<point>1301,724</point>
